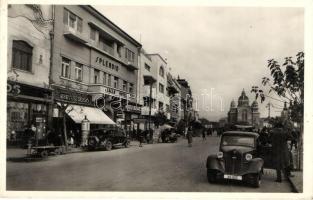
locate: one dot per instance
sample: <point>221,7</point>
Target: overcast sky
<point>224,48</point>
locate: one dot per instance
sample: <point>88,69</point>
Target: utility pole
<point>269,105</point>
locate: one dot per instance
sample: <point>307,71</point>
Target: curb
<point>293,186</point>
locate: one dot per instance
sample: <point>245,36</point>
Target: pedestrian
<point>279,139</point>
<point>140,137</point>
<point>294,140</point>
<point>189,136</point>
<point>203,134</point>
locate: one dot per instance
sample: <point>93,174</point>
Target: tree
<point>287,82</point>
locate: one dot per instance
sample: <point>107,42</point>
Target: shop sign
<point>15,88</point>
<point>132,108</point>
<point>117,93</point>
<point>73,97</point>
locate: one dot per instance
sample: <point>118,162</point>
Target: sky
<point>219,50</point>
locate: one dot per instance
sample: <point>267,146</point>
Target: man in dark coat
<point>280,151</point>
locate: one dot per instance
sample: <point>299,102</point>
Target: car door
<point>266,153</point>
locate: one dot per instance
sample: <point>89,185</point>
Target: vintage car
<point>107,138</point>
<point>238,159</point>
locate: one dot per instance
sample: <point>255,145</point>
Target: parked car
<point>239,158</point>
<point>107,138</point>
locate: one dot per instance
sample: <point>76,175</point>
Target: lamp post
<point>150,80</point>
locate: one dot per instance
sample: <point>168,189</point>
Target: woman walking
<point>189,136</point>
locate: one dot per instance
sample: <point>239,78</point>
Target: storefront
<point>76,106</point>
<point>27,105</point>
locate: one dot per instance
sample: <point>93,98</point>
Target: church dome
<point>255,104</point>
<point>243,100</point>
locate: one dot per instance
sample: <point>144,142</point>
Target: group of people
<point>278,138</point>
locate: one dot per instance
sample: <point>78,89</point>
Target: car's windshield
<point>228,140</point>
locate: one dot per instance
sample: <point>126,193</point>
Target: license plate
<point>233,177</point>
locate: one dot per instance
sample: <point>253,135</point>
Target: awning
<point>94,115</point>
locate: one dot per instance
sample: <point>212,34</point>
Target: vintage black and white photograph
<point>155,98</point>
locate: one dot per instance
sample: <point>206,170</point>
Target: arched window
<point>22,54</point>
<point>244,116</point>
<point>161,72</point>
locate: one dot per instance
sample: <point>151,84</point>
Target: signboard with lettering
<point>16,89</point>
<point>72,97</point>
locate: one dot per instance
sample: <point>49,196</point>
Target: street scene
<point>156,99</point>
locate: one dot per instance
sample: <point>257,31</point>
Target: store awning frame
<point>94,115</point>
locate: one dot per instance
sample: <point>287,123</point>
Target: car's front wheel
<point>108,146</point>
<point>126,144</point>
<point>211,175</point>
<point>256,180</point>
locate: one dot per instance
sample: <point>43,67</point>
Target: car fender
<point>255,166</point>
<point>215,163</point>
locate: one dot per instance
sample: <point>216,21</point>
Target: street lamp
<point>149,80</point>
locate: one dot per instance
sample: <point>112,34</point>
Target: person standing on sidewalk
<point>140,137</point>
<point>203,134</point>
<point>280,151</point>
<point>189,136</point>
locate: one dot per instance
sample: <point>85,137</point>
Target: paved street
<point>158,167</point>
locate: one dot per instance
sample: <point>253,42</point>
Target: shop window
<point>78,72</point>
<point>66,68</point>
<point>22,55</point>
<point>124,86</point>
<point>96,76</point>
<point>116,82</point>
<point>72,20</point>
<point>161,88</point>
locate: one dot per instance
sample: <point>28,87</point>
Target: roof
<point>241,133</point>
<point>111,24</point>
<point>156,54</point>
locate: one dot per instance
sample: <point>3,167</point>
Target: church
<point>244,113</point>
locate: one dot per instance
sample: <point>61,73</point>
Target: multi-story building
<point>29,45</point>
<point>94,64</point>
<point>186,100</point>
<point>173,89</point>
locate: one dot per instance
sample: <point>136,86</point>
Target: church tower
<point>255,114</point>
<point>244,111</point>
<point>232,114</point>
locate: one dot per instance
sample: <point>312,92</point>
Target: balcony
<point>146,92</point>
<point>74,35</point>
<point>132,65</point>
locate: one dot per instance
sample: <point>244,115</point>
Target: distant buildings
<point>244,113</point>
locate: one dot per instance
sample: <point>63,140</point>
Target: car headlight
<point>248,156</point>
<point>219,155</point>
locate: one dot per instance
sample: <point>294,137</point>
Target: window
<point>167,107</point>
<point>104,78</point>
<point>161,88</point>
<point>72,20</point>
<point>93,34</point>
<point>66,67</point>
<point>78,72</point>
<point>96,76</point>
<point>124,86</point>
<point>160,105</point>
<point>161,72</point>
<point>22,55</point>
<point>129,55</point>
<point>109,80</point>
<point>147,67</point>
<point>131,88</point>
<point>116,82</point>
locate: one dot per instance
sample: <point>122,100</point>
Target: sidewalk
<point>296,181</point>
<point>15,152</point>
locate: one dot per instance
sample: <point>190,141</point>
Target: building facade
<point>244,113</point>
<point>186,100</point>
<point>94,63</point>
<point>29,98</point>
